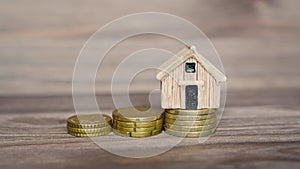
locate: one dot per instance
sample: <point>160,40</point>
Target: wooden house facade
<point>190,81</point>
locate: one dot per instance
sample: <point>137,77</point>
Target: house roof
<point>182,56</point>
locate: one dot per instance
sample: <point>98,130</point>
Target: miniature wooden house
<point>189,81</point>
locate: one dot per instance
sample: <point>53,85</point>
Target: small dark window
<point>190,67</point>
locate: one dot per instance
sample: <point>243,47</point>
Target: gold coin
<point>117,127</point>
<point>189,128</point>
<point>190,123</point>
<point>136,134</point>
<point>190,134</point>
<point>121,133</point>
<point>140,134</point>
<point>148,129</point>
<point>124,124</point>
<point>89,121</point>
<point>191,112</point>
<point>189,118</point>
<point>137,129</point>
<point>130,129</point>
<point>137,114</point>
<point>89,130</point>
<point>146,134</point>
<point>156,132</point>
<point>89,134</point>
<point>138,124</point>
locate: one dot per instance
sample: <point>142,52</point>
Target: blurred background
<point>258,42</point>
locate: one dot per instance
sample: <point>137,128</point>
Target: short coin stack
<point>137,121</point>
<point>190,123</point>
<point>85,125</point>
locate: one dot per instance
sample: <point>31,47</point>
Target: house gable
<point>182,56</point>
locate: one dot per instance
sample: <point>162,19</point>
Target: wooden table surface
<point>258,42</point>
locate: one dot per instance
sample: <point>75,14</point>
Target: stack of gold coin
<point>190,123</point>
<point>137,121</point>
<point>86,125</point>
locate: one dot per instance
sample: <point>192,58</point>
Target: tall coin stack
<point>190,123</point>
<point>137,121</point>
<point>85,125</point>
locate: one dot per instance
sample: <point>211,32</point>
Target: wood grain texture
<point>259,45</point>
<point>249,135</point>
<point>253,136</point>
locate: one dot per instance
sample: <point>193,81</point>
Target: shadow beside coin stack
<point>190,123</point>
<point>85,125</point>
<point>137,122</point>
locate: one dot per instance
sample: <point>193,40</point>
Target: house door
<point>191,97</point>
